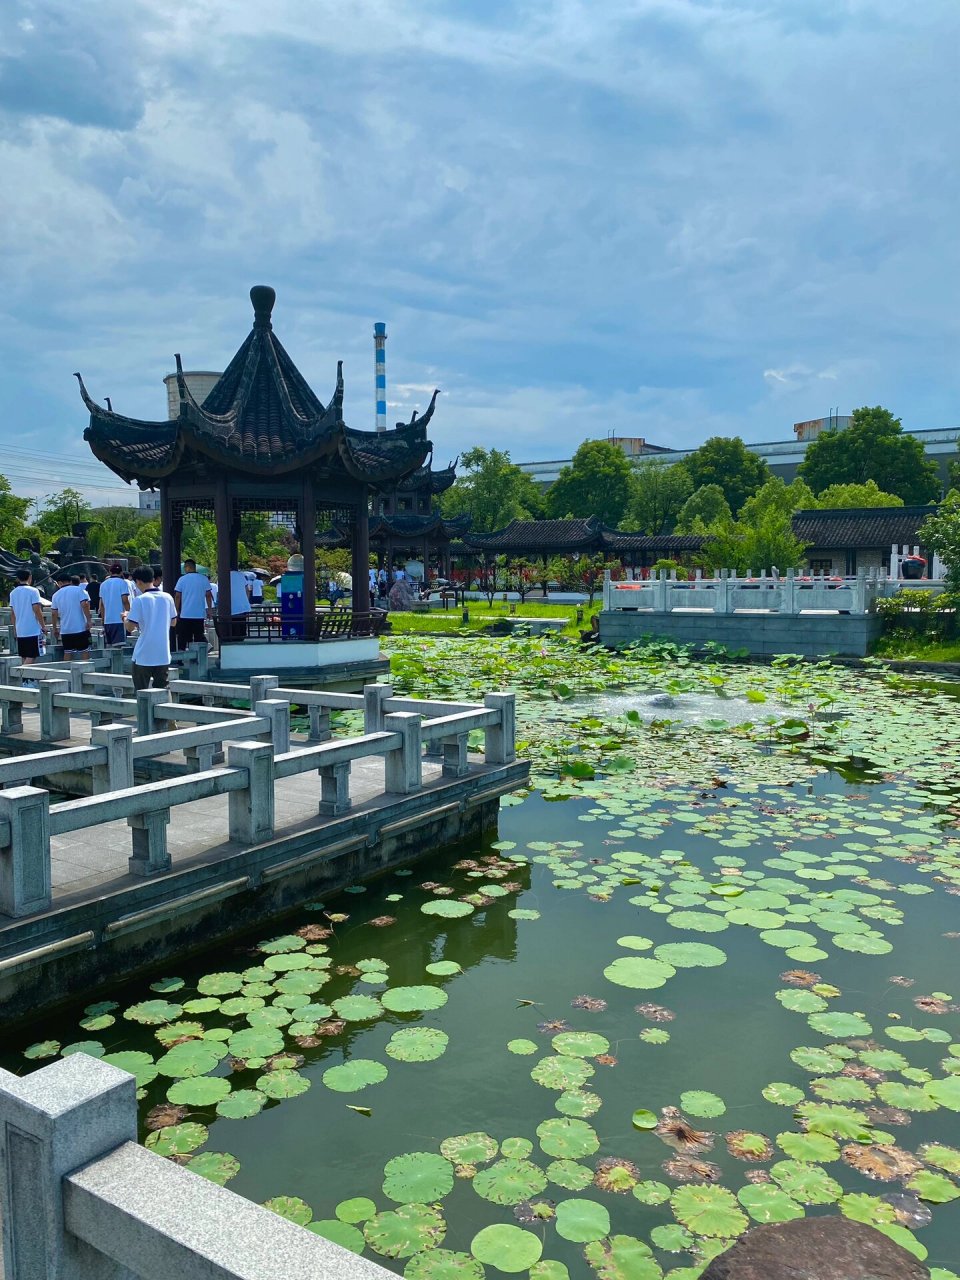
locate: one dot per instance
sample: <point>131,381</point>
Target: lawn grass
<point>450,621</point>
<point>904,648</point>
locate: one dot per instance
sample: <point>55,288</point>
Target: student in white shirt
<point>71,618</point>
<point>26,613</point>
<point>152,613</point>
<point>240,604</point>
<point>114,603</point>
<point>194,600</point>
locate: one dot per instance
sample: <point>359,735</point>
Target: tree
<point>727,462</point>
<point>13,511</point>
<point>492,491</point>
<point>873,447</point>
<point>659,491</point>
<point>940,532</point>
<point>845,496</point>
<point>598,482</point>
<point>60,512</point>
<point>704,509</point>
<point>777,496</point>
<point>953,475</point>
<point>766,542</point>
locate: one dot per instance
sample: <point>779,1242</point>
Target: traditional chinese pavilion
<point>261,441</point>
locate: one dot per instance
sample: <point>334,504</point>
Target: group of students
<point>162,622</point>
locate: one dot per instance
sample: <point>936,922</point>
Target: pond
<point>707,974</point>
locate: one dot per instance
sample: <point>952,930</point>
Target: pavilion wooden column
<point>361,554</point>
<point>169,539</point>
<point>308,549</point>
<point>223,518</point>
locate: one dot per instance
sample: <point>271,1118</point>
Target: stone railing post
<point>25,862</point>
<point>252,809</point>
<point>117,655</point>
<point>403,769</point>
<point>53,1122</point>
<point>11,638</point>
<point>374,697</point>
<point>860,592</point>
<point>11,716</point>
<point>660,592</point>
<point>277,712</point>
<point>147,702</point>
<point>77,671</point>
<point>54,721</point>
<point>319,723</point>
<point>722,603</point>
<point>150,854</point>
<point>262,687</point>
<point>197,659</point>
<point>788,592</point>
<point>500,746</point>
<point>607,602</point>
<point>334,789</point>
<point>117,773</point>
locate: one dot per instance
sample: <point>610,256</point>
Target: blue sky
<point>665,218</point>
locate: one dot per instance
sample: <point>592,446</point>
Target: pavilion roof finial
<point>263,297</point>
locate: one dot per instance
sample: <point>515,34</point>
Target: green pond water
<point>456,1068</point>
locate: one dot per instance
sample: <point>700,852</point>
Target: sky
<point>659,218</point>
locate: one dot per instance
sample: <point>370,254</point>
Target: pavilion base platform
<point>343,665</point>
<point>106,923</point>
<point>762,635</point>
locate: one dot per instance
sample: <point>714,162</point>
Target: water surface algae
<point>706,977</point>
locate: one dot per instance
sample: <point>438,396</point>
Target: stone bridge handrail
<point>726,593</point>
<point>131,802</point>
<point>80,1198</point>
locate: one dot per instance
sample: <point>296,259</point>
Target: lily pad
<point>220,984</point>
<point>508,1249</point>
<point>509,1181</point>
<point>290,1207</point>
<point>582,1220</point>
<point>841,1025</point>
<point>700,1103</point>
<point>443,1264</point>
<point>449,909</point>
<point>639,972</point>
<point>767,1203</point>
<point>350,1077</point>
<point>417,1044</point>
<point>522,1047</point>
<point>806,1183</point>
<point>404,1231</point>
<point>418,1177</point>
<point>242,1104</point>
<point>708,1210</point>
<point>42,1049</point>
<point>781,1094</point>
<point>567,1138</point>
<point>138,1064</point>
<point>562,1072</point>
<point>410,999</point>
<point>201,1091</point>
<point>469,1148</point>
<point>153,1013</point>
<point>192,1058</point>
<point>357,1008</point>
<point>569,1175</point>
<point>286,1083</point>
<point>580,1044</point>
<point>691,955</point>
<point>622,1258</point>
<point>177,1139</point>
<point>215,1166</point>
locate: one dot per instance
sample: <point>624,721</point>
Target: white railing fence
<point>80,1200</point>
<point>791,593</point>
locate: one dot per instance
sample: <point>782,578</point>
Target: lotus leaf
<point>522,1046</point>
<point>580,1044</point>
<point>582,1220</point>
<point>42,1049</point>
<point>358,1209</point>
<point>864,1208</point>
<point>289,942</point>
<point>883,1059</point>
<point>801,1001</point>
<point>842,1089</point>
<point>140,1065</point>
<point>901,1236</point>
<point>350,1077</point>
<point>509,1249</point>
<point>215,1166</point>
<point>816,1147</point>
<point>443,1264</point>
<point>153,1013</point>
<point>219,984</point>
<point>98,1021</point>
<point>577,1102</point>
<point>417,1044</point>
<point>638,972</point>
<point>569,1175</point>
<point>840,1024</point>
<point>567,1138</point>
<point>806,1183</point>
<point>782,1095</point>
<point>908,1097</point>
<point>635,943</point>
<point>697,921</point>
<point>945,1093</point>
<point>412,999</point>
<point>820,1061</point>
<point>205,1004</point>
<point>509,1181</point>
<point>357,1008</point>
<point>174,1031</point>
<point>749,1146</point>
<point>691,955</point>
<point>562,1072</point>
<point>442,969</point>
<point>192,1058</point>
<point>469,1148</point>
<point>651,1192</point>
<point>767,1203</point>
<point>550,1270</point>
<point>700,1103</point>
<point>165,985</point>
<point>941,1157</point>
<point>933,1187</point>
<point>450,910</point>
<point>622,1258</point>
<point>418,1177</point>
<point>199,1091</point>
<point>286,1083</point>
<point>242,1104</point>
<point>404,1231</point>
<point>177,1139</point>
<point>290,1207</point>
<point>92,1047</point>
<point>524,913</point>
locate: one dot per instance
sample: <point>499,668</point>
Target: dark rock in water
<point>662,700</point>
<point>816,1249</point>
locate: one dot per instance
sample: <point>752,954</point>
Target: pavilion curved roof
<point>261,418</point>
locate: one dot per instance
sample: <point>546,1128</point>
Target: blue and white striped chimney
<point>380,372</point>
